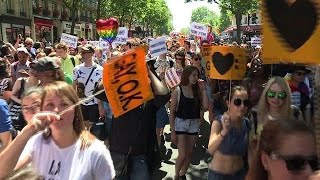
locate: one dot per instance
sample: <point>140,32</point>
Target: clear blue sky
<point>181,11</point>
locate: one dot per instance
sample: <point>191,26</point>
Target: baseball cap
<point>87,47</point>
<point>46,64</point>
<point>22,49</point>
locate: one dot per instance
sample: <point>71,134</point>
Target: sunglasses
<point>238,102</point>
<point>279,95</point>
<point>297,162</point>
<point>300,73</point>
<point>197,59</point>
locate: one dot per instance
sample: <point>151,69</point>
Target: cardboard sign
<point>255,41</point>
<point>122,36</point>
<point>94,43</point>
<point>199,30</point>
<point>171,77</point>
<point>158,46</point>
<point>70,40</point>
<point>226,63</point>
<point>291,31</point>
<point>126,81</point>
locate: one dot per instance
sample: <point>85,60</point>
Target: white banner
<point>158,46</point>
<point>171,77</point>
<point>70,40</point>
<point>199,30</point>
<point>255,41</point>
<point>122,36</point>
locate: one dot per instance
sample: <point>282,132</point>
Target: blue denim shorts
<point>239,175</point>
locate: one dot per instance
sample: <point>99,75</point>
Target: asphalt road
<point>198,168</point>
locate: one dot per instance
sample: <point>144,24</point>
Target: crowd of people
<point>261,126</point>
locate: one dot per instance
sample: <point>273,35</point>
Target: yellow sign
<point>126,81</point>
<point>225,63</point>
<point>291,31</point>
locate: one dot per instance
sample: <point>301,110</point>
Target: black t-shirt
<point>124,128</point>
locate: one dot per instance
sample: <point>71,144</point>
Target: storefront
<point>88,30</point>
<point>66,28</point>
<point>12,26</point>
<point>43,29</point>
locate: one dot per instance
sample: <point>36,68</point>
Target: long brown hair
<point>272,136</point>
<point>187,71</point>
<point>64,90</point>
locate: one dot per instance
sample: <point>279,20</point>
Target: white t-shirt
<point>71,163</point>
<point>81,74</point>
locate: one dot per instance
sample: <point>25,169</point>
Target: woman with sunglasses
<point>187,100</point>
<point>275,103</point>
<point>286,151</point>
<point>229,138</point>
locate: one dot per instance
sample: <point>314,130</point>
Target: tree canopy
<point>204,15</point>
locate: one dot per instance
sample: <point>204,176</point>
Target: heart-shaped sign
<point>107,29</point>
<point>222,63</point>
<point>294,23</point>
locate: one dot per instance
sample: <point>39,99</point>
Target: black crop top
<point>188,108</point>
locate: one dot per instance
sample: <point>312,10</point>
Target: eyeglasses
<point>85,52</point>
<point>297,162</point>
<point>238,102</point>
<point>31,109</point>
<point>180,59</point>
<point>300,73</point>
<point>279,95</point>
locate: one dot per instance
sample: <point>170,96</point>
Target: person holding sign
<point>58,146</point>
<point>187,101</point>
<point>229,138</point>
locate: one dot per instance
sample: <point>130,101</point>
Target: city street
<point>198,168</point>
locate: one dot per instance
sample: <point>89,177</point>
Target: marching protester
<point>73,152</point>
<point>5,81</point>
<point>286,151</point>
<point>86,76</point>
<point>187,101</point>
<point>5,125</point>
<point>68,62</point>
<point>229,138</point>
<point>22,64</point>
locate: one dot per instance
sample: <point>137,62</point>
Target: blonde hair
<point>63,90</point>
<point>263,108</point>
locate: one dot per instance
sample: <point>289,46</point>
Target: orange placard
<point>225,63</point>
<point>126,81</point>
<point>291,31</point>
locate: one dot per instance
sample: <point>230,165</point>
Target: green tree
<point>239,8</point>
<point>185,31</point>
<point>204,15</point>
<point>225,21</point>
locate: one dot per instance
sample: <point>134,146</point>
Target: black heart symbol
<point>295,23</point>
<point>222,63</point>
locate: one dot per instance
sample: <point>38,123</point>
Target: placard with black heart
<point>226,63</point>
<point>291,31</point>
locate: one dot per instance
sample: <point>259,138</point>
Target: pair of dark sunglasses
<point>238,102</point>
<point>300,73</point>
<point>296,162</point>
<point>279,95</point>
<point>197,59</point>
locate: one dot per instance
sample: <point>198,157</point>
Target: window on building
<point>45,4</point>
<point>35,3</point>
<point>254,18</point>
<point>9,5</point>
<point>22,6</point>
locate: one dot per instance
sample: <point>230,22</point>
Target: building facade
<point>44,20</point>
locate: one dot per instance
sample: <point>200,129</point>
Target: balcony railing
<point>10,11</point>
<point>24,14</point>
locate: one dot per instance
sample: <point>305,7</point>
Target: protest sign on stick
<point>226,63</point>
<point>126,81</point>
<point>158,46</point>
<point>122,36</point>
<point>199,30</point>
<point>171,77</point>
<point>291,31</point>
<point>70,40</point>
